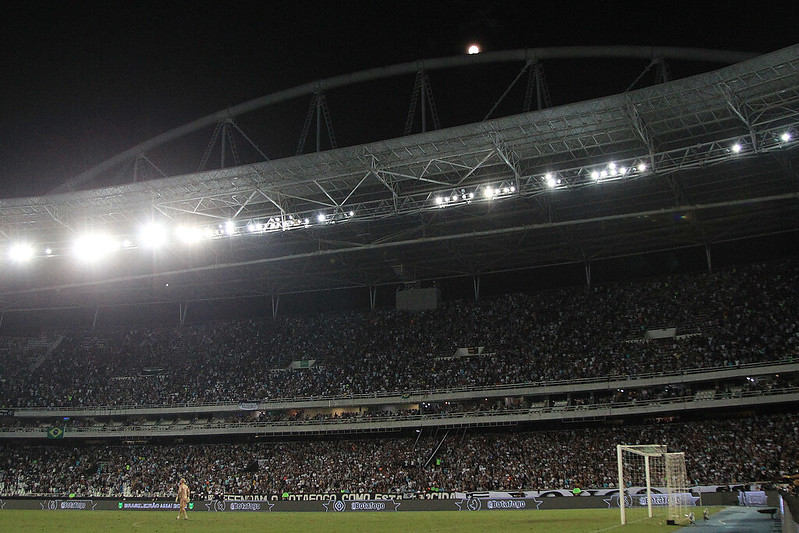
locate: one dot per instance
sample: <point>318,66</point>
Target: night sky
<point>83,81</point>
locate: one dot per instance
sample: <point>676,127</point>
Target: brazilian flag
<point>55,432</point>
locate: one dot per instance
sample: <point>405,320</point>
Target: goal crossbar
<point>669,471</point>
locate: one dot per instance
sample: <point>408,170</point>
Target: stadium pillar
<point>588,274</point>
<point>372,297</point>
<point>709,259</point>
<point>182,309</point>
<point>275,304</point>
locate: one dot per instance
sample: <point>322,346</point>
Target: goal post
<point>651,467</point>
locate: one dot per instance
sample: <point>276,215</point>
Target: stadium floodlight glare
<point>152,236</point>
<point>736,148</point>
<point>641,167</point>
<point>473,49</point>
<point>94,246</point>
<point>785,137</point>
<point>321,217</point>
<point>550,180</point>
<point>189,235</point>
<point>230,227</point>
<point>48,252</point>
<point>21,252</point>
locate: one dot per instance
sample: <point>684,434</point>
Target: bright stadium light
<point>321,217</point>
<point>94,246</point>
<point>230,227</point>
<point>189,235</point>
<point>473,49</point>
<point>152,236</point>
<point>785,137</point>
<point>550,180</point>
<point>736,148</point>
<point>21,252</point>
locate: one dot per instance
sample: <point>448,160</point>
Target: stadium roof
<point>691,162</point>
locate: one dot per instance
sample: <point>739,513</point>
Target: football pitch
<point>559,521</point>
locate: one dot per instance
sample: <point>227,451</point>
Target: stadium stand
<point>739,318</point>
<point>528,338</point>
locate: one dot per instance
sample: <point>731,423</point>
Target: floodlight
<point>94,246</point>
<point>188,235</point>
<point>230,227</point>
<point>488,192</point>
<point>736,148</point>
<point>550,180</point>
<point>595,175</point>
<point>473,49</point>
<point>321,217</point>
<point>785,137</point>
<point>152,236</point>
<point>21,252</point>
<point>642,167</point>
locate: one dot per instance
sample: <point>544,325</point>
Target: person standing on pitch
<point>183,497</point>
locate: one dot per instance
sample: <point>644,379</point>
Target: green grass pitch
<point>560,521</point>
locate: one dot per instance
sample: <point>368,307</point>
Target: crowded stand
<point>724,319</point>
<point>575,403</point>
<point>723,451</point>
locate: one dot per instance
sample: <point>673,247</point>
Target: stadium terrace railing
<point>383,421</point>
<point>789,364</point>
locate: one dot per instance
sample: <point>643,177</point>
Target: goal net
<point>651,477</point>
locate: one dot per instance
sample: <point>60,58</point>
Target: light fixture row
<point>93,246</point>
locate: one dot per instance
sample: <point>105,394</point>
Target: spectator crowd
<point>723,319</point>
<point>722,451</point>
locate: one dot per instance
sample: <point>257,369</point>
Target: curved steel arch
<point>373,74</point>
